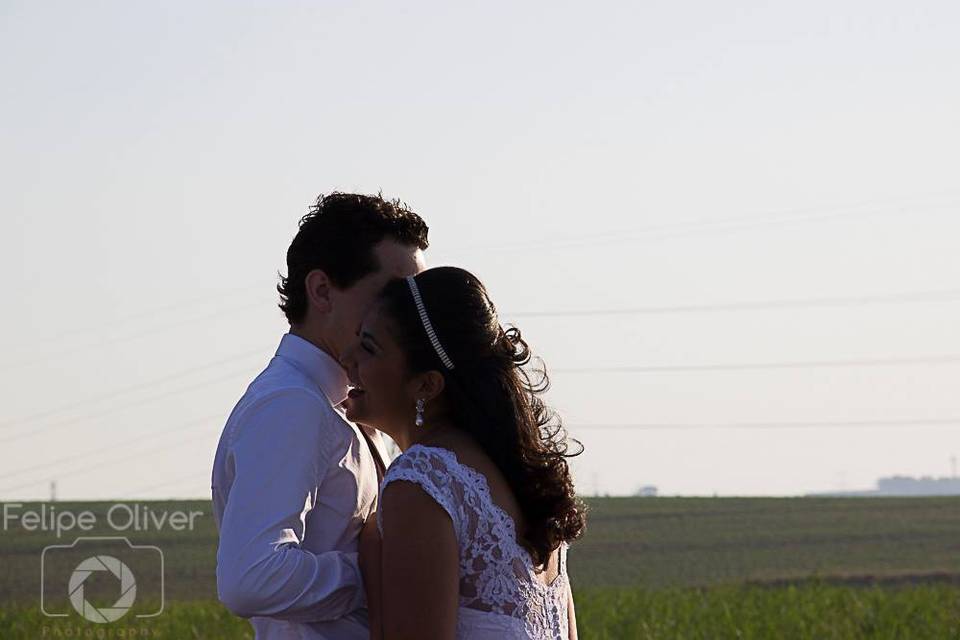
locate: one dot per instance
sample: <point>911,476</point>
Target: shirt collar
<point>317,364</point>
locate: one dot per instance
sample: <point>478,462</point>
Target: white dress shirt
<point>293,483</point>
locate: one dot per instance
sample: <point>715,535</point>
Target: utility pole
<point>953,467</point>
<point>53,491</point>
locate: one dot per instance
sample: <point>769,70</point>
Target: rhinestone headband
<point>422,310</point>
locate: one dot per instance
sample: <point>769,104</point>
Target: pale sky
<point>670,158</point>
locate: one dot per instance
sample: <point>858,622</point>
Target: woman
<point>475,516</point>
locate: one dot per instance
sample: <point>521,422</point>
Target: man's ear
<point>431,385</point>
<point>318,290</point>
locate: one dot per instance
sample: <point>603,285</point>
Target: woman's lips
<point>355,389</point>
<point>355,392</point>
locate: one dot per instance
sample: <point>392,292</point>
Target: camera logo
<point>99,578</point>
<point>128,589</point>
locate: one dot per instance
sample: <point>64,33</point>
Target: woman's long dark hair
<point>492,396</point>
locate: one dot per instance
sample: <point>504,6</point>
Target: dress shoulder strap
<point>431,470</point>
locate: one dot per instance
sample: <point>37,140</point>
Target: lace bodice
<point>497,575</point>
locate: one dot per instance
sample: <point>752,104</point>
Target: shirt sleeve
<point>279,459</point>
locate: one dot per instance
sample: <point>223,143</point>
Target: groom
<point>293,480</point>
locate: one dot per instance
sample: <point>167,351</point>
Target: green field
<point>703,541</point>
<point>647,568</point>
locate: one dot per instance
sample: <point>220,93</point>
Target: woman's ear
<point>318,290</point>
<point>431,385</point>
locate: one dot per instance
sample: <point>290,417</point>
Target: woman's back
<point>501,593</point>
<point>469,454</point>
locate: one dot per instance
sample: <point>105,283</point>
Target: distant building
<point>905,486</point>
<point>647,491</point>
<point>925,486</point>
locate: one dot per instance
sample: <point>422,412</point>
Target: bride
<point>470,540</point>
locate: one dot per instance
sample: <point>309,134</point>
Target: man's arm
<point>279,458</point>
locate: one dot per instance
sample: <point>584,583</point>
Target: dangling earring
<point>419,420</point>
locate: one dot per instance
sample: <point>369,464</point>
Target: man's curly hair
<point>338,235</point>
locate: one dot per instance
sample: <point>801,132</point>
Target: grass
<point>677,568</point>
<point>814,611</point>
<point>199,620</point>
<point>665,542</point>
<point>811,611</point>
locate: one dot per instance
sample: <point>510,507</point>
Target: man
<point>293,480</point>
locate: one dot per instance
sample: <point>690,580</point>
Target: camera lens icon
<point>102,579</point>
<point>128,588</point>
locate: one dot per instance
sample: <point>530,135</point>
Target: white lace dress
<point>500,597</point>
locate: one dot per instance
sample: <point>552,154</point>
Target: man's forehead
<point>407,263</point>
<point>420,261</point>
<point>399,259</point>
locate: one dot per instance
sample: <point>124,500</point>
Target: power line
<point>722,225</point>
<point>750,366</point>
<point>769,425</point>
<point>666,426</point>
<point>94,468</point>
<point>142,490</point>
<point>903,297</point>
<point>40,358</point>
<point>734,223</point>
<point>944,295</point>
<point>152,313</point>
<point>93,453</point>
<point>5,424</point>
<point>68,421</point>
<point>708,227</point>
